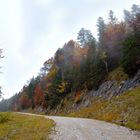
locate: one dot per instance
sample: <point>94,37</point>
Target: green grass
<point>25,127</point>
<point>123,110</point>
<point>4,117</point>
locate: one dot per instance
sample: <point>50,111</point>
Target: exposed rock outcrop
<point>112,88</point>
<point>107,90</point>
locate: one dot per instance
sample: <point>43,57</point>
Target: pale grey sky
<point>32,30</point>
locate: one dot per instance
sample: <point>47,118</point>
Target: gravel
<point>88,129</point>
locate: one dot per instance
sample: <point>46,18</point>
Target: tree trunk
<point>106,66</point>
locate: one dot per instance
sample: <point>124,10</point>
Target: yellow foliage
<point>103,55</point>
<point>62,87</point>
<point>52,73</point>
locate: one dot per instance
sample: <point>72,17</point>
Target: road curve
<point>88,129</point>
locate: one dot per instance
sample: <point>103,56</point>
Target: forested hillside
<point>84,64</point>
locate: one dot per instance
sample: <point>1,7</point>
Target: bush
<point>4,117</point>
<point>78,97</point>
<point>118,75</point>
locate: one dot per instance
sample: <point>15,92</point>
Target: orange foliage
<point>39,97</point>
<point>24,101</point>
<point>73,53</point>
<point>114,33</point>
<point>78,97</point>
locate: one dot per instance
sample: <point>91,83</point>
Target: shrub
<point>4,117</point>
<point>118,75</point>
<point>78,97</point>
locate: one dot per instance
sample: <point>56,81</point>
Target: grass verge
<point>123,110</point>
<point>25,127</point>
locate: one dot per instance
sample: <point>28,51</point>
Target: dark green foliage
<point>101,30</point>
<point>97,73</point>
<point>90,66</point>
<point>4,117</point>
<point>131,56</point>
<point>130,16</point>
<point>4,105</point>
<point>112,18</point>
<point>84,37</point>
<point>131,46</point>
<point>53,100</point>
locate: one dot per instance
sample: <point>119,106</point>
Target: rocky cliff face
<point>107,90</point>
<point>113,88</point>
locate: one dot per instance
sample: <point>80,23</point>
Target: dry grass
<point>117,75</point>
<point>24,127</point>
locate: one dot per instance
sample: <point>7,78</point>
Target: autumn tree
<point>39,97</point>
<point>111,37</point>
<point>24,101</point>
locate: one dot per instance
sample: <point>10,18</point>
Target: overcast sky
<point>32,30</point>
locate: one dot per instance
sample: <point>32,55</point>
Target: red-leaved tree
<point>39,97</point>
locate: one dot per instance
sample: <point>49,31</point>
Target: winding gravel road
<point>88,129</point>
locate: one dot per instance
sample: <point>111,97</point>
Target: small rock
<point>86,103</point>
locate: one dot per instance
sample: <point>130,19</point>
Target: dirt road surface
<point>87,129</point>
